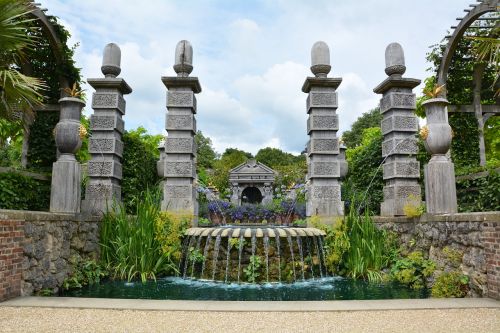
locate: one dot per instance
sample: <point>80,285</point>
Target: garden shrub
<point>84,273</point>
<point>413,270</point>
<point>23,193</point>
<point>169,230</point>
<point>450,284</point>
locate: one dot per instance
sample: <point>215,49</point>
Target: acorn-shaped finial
<point>320,59</point>
<point>394,60</point>
<point>111,60</point>
<point>183,58</point>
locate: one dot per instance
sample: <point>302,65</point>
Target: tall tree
<point>205,152</point>
<point>354,136</point>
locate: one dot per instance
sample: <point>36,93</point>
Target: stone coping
<point>8,214</point>
<point>458,217</point>
<point>25,215</point>
<point>252,306</point>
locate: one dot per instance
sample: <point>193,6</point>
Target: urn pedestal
<point>440,189</point>
<point>65,193</point>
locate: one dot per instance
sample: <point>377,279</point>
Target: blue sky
<point>252,56</point>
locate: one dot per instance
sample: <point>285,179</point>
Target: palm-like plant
<point>18,92</point>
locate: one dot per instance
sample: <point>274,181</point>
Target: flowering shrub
<point>279,212</point>
<point>218,207</point>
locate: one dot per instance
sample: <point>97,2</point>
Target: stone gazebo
<point>251,182</point>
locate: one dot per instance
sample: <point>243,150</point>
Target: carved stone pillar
<point>105,144</point>
<point>399,127</point>
<point>323,189</point>
<point>179,186</point>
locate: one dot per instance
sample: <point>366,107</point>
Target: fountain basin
<point>255,254</point>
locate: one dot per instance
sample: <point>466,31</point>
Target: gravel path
<point>23,319</point>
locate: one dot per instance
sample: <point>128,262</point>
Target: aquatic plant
<point>130,248</point>
<point>252,271</point>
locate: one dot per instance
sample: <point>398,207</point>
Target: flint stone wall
<point>474,236</point>
<point>50,243</point>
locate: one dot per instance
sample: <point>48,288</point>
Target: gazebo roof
<point>251,172</point>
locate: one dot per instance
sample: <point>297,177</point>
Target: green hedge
<point>480,194</point>
<point>23,193</point>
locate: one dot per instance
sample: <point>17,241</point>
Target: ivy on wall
<point>479,194</point>
<point>22,192</point>
<point>42,148</point>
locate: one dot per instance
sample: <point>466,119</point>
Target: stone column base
<point>65,192</point>
<point>101,197</point>
<point>440,188</point>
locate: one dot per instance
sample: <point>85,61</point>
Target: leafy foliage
<point>479,194</point>
<point>42,148</point>
<point>355,247</point>
<point>130,248</point>
<point>18,92</point>
<point>253,270</point>
<point>450,284</point>
<point>169,230</point>
<point>206,154</point>
<point>354,137</point>
<point>364,181</point>
<point>459,86</point>
<point>231,158</point>
<point>83,273</point>
<point>140,154</point>
<point>23,193</point>
<point>274,157</point>
<point>413,270</point>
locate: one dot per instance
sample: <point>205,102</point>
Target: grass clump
<point>355,247</point>
<point>130,247</point>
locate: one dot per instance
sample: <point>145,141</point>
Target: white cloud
<point>252,57</point>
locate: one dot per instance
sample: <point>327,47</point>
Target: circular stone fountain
<point>257,254</point>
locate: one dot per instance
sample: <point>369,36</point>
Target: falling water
<point>186,261</point>
<point>205,254</point>
<point>240,250</point>
<point>278,251</point>
<point>266,251</point>
<point>254,244</point>
<point>308,242</point>
<point>301,253</point>
<point>319,255</point>
<point>194,261</point>
<point>216,255</point>
<point>320,239</point>
<point>228,257</point>
<point>290,245</point>
<point>184,250</point>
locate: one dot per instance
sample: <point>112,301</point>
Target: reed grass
<point>129,248</point>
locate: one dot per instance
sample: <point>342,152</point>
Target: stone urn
<point>438,136</point>
<point>67,131</point>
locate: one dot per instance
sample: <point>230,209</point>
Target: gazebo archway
<point>252,195</point>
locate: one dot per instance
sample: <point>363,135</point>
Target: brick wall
<point>11,258</point>
<point>491,241</point>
